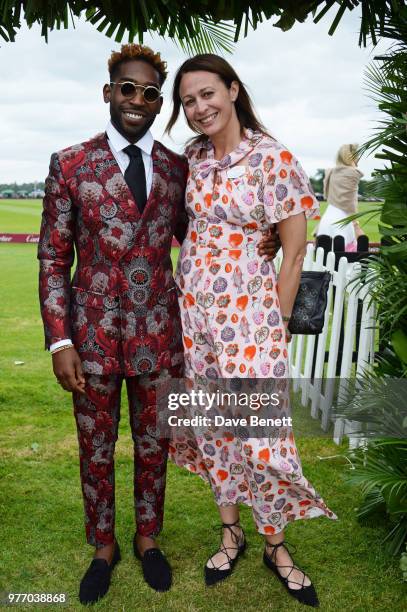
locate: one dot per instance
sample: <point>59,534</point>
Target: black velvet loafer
<point>156,569</point>
<point>96,581</point>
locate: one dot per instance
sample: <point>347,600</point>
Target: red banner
<point>19,237</point>
<point>35,238</point>
<point>373,246</point>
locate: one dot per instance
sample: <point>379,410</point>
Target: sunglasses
<point>129,89</point>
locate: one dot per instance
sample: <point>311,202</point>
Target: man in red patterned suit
<point>116,200</point>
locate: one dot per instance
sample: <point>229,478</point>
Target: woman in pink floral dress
<point>234,316</point>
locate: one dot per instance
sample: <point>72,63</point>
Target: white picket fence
<point>319,392</point>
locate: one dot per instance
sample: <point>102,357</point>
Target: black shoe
<point>306,594</point>
<point>156,569</point>
<point>216,574</point>
<point>96,581</point>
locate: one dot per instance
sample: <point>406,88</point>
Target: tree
<point>196,25</point>
<point>317,181</point>
<point>381,467</point>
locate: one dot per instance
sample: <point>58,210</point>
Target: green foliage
<point>381,473</point>
<point>22,186</point>
<point>388,288</point>
<point>403,565</point>
<point>317,181</point>
<point>377,404</point>
<point>377,401</point>
<point>388,272</point>
<point>195,25</point>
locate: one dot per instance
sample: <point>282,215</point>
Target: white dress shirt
<point>117,143</point>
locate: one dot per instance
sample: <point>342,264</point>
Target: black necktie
<point>135,176</point>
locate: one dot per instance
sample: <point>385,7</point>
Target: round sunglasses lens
<point>151,94</point>
<point>128,89</point>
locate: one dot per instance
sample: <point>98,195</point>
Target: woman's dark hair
<point>209,62</point>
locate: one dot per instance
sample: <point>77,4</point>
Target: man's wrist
<point>60,343</point>
<point>62,348</point>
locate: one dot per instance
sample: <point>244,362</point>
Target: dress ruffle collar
<point>203,168</point>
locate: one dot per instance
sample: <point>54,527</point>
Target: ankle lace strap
<point>235,536</point>
<point>225,549</point>
<point>287,546</point>
<point>229,525</point>
<point>292,567</point>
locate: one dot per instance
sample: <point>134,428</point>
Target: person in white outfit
<point>341,192</point>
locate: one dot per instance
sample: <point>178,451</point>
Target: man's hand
<point>288,336</point>
<point>270,243</point>
<point>68,370</point>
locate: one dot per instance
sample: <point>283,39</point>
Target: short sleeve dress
<point>231,318</point>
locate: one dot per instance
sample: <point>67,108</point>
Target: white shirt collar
<point>119,142</point>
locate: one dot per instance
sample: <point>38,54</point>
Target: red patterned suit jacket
<point>121,308</point>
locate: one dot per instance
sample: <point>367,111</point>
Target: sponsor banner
<point>373,246</point>
<point>19,237</point>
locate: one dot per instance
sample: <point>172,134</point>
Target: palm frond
<point>380,470</point>
<point>377,404</point>
<point>383,86</point>
<point>175,17</point>
<point>387,288</point>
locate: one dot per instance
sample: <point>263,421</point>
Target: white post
<point>322,338</point>
<point>307,386</point>
<point>352,290</point>
<point>326,405</point>
<point>301,339</point>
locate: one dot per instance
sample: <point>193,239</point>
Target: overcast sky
<point>307,88</point>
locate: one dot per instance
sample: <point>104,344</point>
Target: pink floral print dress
<point>231,319</point>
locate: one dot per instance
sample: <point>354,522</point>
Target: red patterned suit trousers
<point>97,417</point>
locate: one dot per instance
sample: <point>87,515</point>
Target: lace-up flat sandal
<point>305,594</point>
<point>216,574</point>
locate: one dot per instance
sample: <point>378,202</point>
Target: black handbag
<point>308,312</point>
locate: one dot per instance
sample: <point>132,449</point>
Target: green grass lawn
<point>43,548</point>
<point>20,216</point>
<point>23,216</point>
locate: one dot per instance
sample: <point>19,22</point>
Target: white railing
<point>317,384</point>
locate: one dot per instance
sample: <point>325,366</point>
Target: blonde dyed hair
<point>137,52</point>
<point>347,155</point>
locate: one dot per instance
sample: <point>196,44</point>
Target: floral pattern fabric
<point>97,417</point>
<point>231,318</point>
<point>120,309</point>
